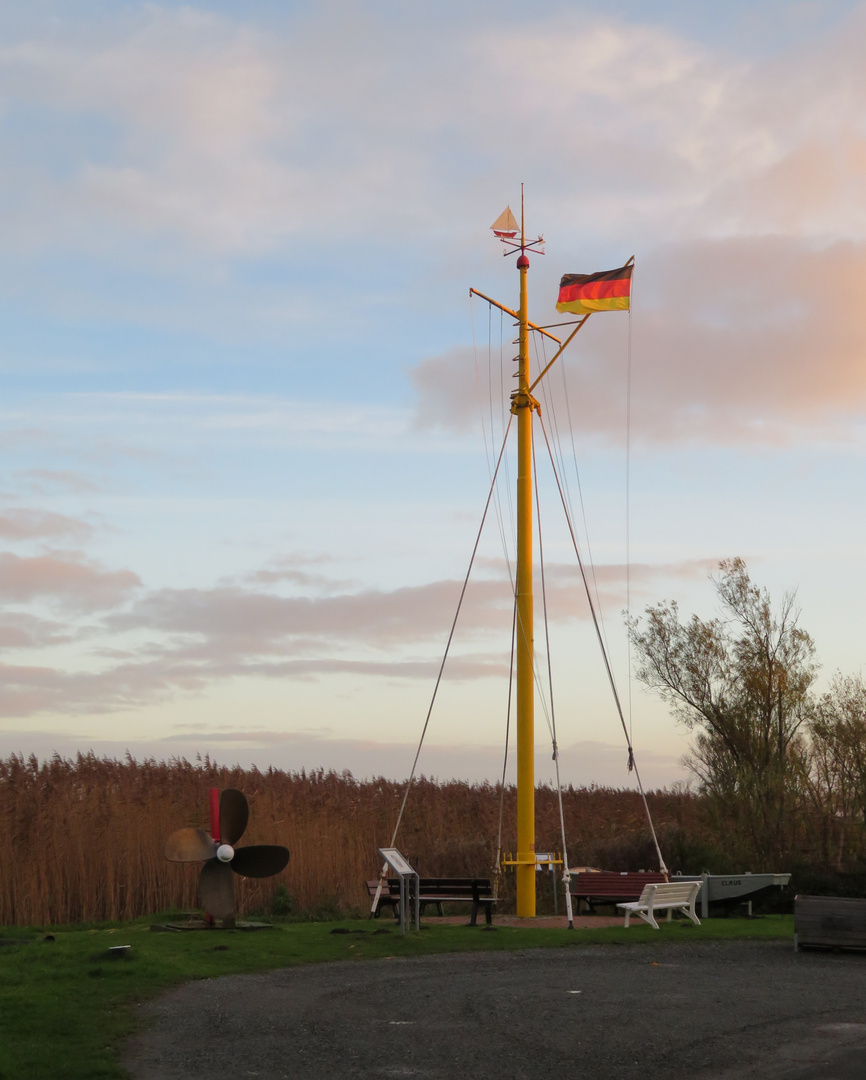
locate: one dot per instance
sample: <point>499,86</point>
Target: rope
<point>566,876</point>
<point>497,502</point>
<point>488,450</point>
<point>450,636</point>
<point>632,764</point>
<point>507,736</point>
<point>567,396</point>
<point>628,520</point>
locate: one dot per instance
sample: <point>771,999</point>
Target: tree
<point>741,683</point>
<point>838,768</point>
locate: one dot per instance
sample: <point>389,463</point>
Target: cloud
<point>449,391</point>
<point>186,99</point>
<point>241,137</point>
<point>39,690</point>
<point>243,620</point>
<point>294,570</point>
<point>754,340</point>
<point>581,763</point>
<point>735,342</point>
<point>66,579</point>
<point>22,630</point>
<point>59,479</point>
<point>32,690</point>
<point>184,420</point>
<point>21,523</point>
<point>174,642</point>
<point>259,152</point>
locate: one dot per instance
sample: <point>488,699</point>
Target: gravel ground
<point>720,1010</point>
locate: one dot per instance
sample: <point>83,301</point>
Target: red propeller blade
<point>260,860</point>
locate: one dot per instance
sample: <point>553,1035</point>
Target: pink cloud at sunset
<point>20,523</point>
<point>186,641</point>
<point>68,579</point>
<point>735,341</point>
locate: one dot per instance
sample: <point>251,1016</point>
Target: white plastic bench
<point>670,895</point>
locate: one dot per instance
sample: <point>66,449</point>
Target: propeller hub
<point>225,853</point>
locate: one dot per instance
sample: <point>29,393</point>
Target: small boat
<point>729,890</point>
<point>505,227</point>
<point>593,886</point>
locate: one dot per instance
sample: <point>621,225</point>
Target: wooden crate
<point>834,922</point>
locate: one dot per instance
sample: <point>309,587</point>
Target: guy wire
<point>451,635</point>
<point>631,760</point>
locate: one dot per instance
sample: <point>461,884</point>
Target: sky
<point>249,409</point>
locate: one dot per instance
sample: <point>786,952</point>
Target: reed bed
<point>83,838</point>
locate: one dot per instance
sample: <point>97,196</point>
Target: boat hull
<point>729,890</point>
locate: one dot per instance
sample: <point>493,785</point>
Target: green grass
<point>67,1005</point>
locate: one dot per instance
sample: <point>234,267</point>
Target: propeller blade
<point>234,815</point>
<point>260,860</point>
<point>216,890</point>
<point>189,845</point>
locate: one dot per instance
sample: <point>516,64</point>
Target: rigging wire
<point>565,497</point>
<point>450,636</point>
<point>550,405</point>
<point>628,523</point>
<point>497,508</point>
<point>490,364</point>
<point>497,867</point>
<point>566,875</point>
<point>504,532</point>
<point>591,559</point>
<point>552,724</point>
<point>497,505</point>
<point>505,395</point>
<point>632,764</point>
<point>478,386</point>
<point>497,502</point>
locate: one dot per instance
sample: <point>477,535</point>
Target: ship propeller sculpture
<point>229,817</point>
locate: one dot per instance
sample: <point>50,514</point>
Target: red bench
<point>604,887</point>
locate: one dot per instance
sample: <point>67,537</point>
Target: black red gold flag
<point>609,290</point>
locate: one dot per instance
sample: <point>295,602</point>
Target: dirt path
<point>705,1010</point>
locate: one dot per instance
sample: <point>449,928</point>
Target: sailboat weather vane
<point>505,229</point>
<point>582,295</point>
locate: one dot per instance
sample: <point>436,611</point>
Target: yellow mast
<point>522,405</point>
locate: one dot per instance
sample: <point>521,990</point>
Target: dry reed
<point>84,838</point>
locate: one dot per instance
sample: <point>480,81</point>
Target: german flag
<point>608,290</point>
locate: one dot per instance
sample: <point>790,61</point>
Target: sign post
<point>409,890</point>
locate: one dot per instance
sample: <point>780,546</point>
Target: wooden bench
<point>830,922</point>
<point>386,898</point>
<point>604,887</point>
<point>439,891</point>
<point>664,895</point>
